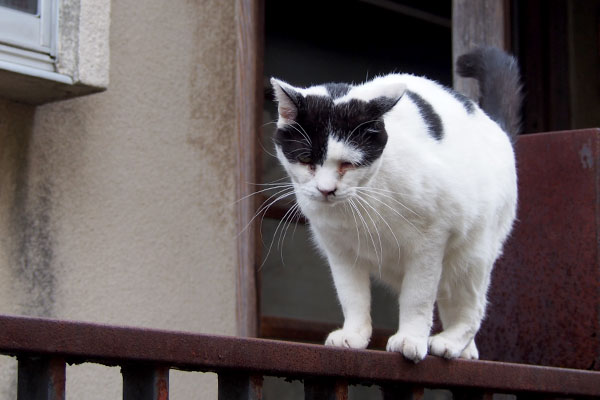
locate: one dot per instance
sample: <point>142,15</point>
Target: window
<point>28,6</point>
<point>27,33</point>
<point>52,49</point>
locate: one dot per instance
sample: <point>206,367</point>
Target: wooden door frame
<point>477,23</point>
<point>248,108</point>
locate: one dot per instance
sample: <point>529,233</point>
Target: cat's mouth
<point>320,199</point>
<point>331,200</point>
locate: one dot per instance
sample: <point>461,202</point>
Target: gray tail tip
<point>475,63</point>
<point>468,65</point>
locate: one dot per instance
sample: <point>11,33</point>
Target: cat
<point>413,183</point>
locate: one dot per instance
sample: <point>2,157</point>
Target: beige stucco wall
<point>118,207</point>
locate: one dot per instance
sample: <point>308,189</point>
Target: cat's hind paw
<point>347,339</point>
<point>412,347</point>
<point>443,347</point>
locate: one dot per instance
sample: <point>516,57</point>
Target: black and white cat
<point>408,181</point>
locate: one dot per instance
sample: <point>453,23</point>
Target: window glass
<point>28,6</point>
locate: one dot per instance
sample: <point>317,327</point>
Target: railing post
<point>145,383</point>
<point>402,392</point>
<point>240,386</point>
<point>325,389</point>
<point>41,379</point>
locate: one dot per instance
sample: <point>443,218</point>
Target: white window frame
<point>61,52</point>
<point>29,39</point>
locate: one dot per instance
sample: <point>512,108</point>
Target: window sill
<point>79,66</point>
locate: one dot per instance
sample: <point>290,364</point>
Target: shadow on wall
<point>27,277</point>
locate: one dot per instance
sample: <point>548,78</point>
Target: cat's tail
<point>500,86</point>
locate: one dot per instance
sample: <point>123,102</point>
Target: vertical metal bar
<point>402,392</point>
<point>145,383</point>
<point>240,387</point>
<point>325,389</point>
<point>468,394</point>
<point>41,379</point>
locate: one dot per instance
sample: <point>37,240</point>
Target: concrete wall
<point>117,207</point>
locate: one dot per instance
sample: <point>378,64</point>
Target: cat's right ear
<point>287,99</point>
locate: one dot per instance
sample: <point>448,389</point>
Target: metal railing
<point>43,347</point>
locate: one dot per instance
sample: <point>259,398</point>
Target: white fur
<point>428,218</point>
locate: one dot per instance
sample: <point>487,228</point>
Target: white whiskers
<point>378,256</point>
<point>384,193</point>
<point>357,232</point>
<point>366,226</point>
<point>284,191</point>
<point>283,220</point>
<point>358,126</point>
<point>301,131</point>
<point>372,210</point>
<point>385,222</point>
<point>365,193</point>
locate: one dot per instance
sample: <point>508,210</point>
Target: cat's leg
<point>417,297</point>
<point>461,305</point>
<point>354,293</point>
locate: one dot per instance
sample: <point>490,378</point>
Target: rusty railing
<point>43,347</point>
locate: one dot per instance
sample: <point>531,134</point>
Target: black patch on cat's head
<point>337,90</point>
<point>356,122</point>
<point>431,118</point>
<point>306,136</point>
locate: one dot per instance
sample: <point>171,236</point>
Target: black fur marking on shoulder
<point>337,90</point>
<point>431,118</point>
<point>466,102</point>
<point>356,122</point>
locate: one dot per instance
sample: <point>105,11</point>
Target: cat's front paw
<point>471,352</point>
<point>447,348</point>
<point>412,347</point>
<point>347,339</point>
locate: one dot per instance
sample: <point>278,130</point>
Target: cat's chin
<point>327,202</point>
<point>319,202</point>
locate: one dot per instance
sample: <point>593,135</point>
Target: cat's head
<point>328,141</point>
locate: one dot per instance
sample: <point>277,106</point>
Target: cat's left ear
<point>391,97</point>
<point>287,99</point>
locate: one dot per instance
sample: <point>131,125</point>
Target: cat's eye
<point>305,159</point>
<point>346,165</point>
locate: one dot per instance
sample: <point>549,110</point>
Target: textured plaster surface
<point>83,46</point>
<point>93,50</point>
<point>118,207</point>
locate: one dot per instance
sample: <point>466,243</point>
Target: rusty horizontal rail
<point>300,330</point>
<point>77,342</point>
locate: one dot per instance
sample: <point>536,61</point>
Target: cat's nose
<point>327,191</point>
